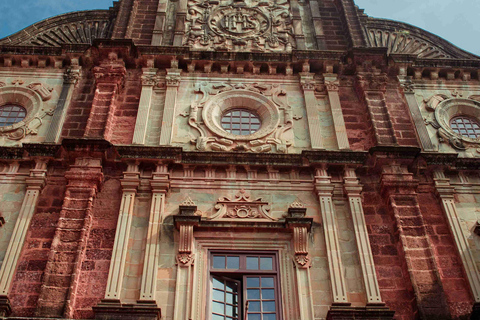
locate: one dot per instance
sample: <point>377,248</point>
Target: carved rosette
<point>268,101</point>
<point>32,97</point>
<point>443,109</point>
<point>244,25</point>
<point>242,207</point>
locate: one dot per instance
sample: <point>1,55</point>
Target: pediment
<point>80,27</point>
<point>402,38</point>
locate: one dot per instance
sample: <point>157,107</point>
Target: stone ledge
<point>364,313</point>
<point>113,310</point>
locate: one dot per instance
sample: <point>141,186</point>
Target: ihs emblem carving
<point>239,25</point>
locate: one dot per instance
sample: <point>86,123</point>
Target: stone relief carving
<point>442,109</point>
<point>239,25</point>
<point>267,100</point>
<point>242,207</point>
<point>31,97</point>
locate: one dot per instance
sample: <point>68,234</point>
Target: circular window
<point>11,114</point>
<point>465,126</point>
<point>240,121</point>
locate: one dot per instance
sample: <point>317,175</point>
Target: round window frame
<point>451,108</point>
<point>23,97</point>
<point>256,103</point>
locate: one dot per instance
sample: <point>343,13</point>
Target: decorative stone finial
<point>188,202</point>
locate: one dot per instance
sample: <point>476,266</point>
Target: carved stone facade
<point>246,25</point>
<point>162,156</point>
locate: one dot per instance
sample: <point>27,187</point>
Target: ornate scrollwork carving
<point>443,109</point>
<point>267,100</point>
<point>242,207</point>
<point>32,95</point>
<point>245,25</point>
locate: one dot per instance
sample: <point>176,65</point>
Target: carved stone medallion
<point>250,25</point>
<point>268,101</point>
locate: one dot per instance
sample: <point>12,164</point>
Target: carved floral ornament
<point>239,25</point>
<point>242,207</point>
<point>266,101</point>
<point>31,97</point>
<point>443,109</point>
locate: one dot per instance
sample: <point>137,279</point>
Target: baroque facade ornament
<point>32,96</point>
<point>240,25</point>
<point>269,101</point>
<point>443,109</point>
<point>242,207</point>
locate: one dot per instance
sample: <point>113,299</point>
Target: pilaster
<point>353,190</point>
<point>409,92</point>
<point>300,226</point>
<point>332,83</point>
<point>130,182</point>
<point>58,298</point>
<point>446,194</point>
<point>160,184</point>
<point>109,76</point>
<point>399,189</point>
<point>149,80</point>
<point>173,82</point>
<point>71,77</point>
<point>185,221</point>
<point>35,183</point>
<point>308,86</point>
<point>324,189</point>
<point>160,22</point>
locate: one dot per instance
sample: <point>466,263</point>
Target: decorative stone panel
<point>239,25</point>
<point>268,101</point>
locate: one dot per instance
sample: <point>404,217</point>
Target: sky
<point>453,20</point>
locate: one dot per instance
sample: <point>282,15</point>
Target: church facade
<point>237,159</point>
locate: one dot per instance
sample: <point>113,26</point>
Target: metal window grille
<point>11,114</point>
<point>241,122</point>
<point>466,127</point>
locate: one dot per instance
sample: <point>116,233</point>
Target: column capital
<point>131,178</point>
<point>38,174</point>
<point>149,77</point>
<point>331,81</point>
<point>173,77</point>
<point>307,81</point>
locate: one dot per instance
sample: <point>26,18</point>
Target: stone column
<point>317,24</point>
<point>446,194</point>
<point>35,183</point>
<point>300,226</point>
<point>409,91</point>
<point>160,184</point>
<point>148,82</point>
<point>70,80</point>
<point>353,190</point>
<point>185,221</point>
<point>168,119</point>
<point>314,125</point>
<point>58,298</point>
<point>130,182</point>
<point>109,76</point>
<point>331,83</point>
<point>324,189</point>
